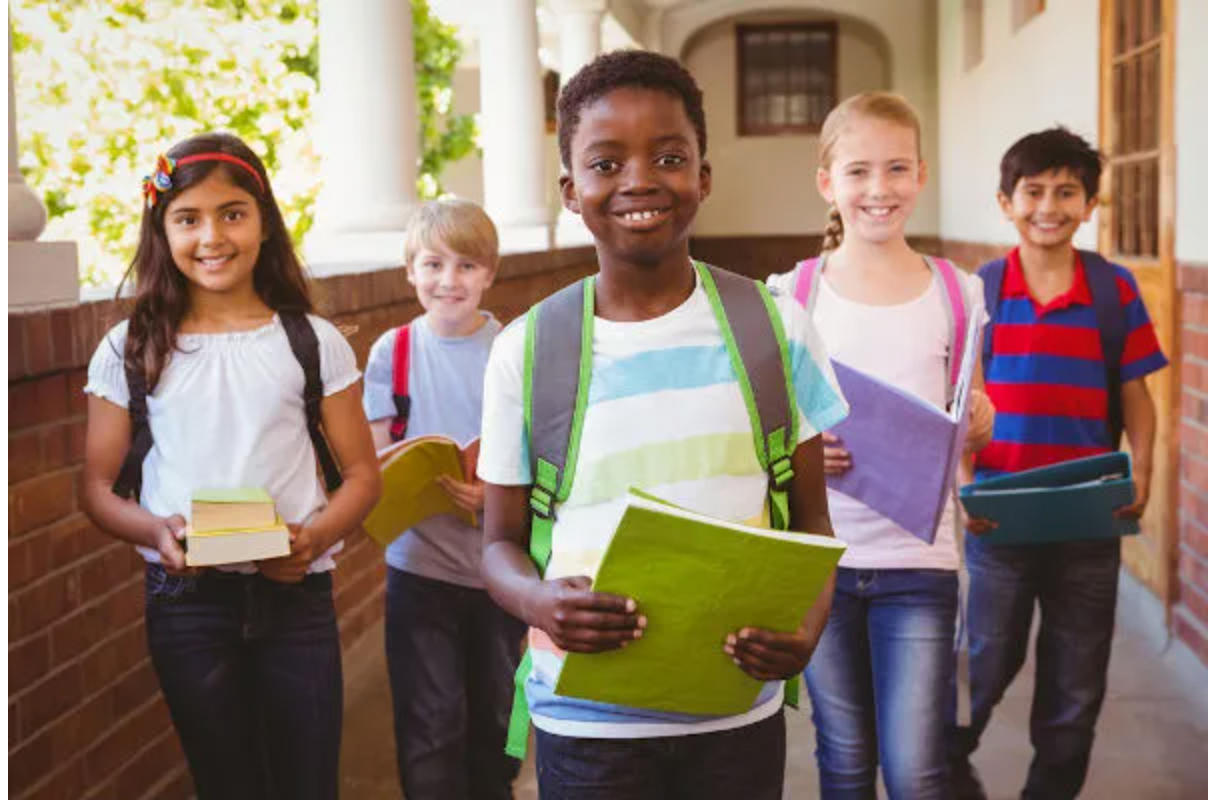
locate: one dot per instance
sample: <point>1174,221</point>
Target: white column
<point>580,43</point>
<point>368,135</point>
<point>512,127</point>
<point>40,274</point>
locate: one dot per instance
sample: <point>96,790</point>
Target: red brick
<point>135,687</point>
<point>178,786</point>
<point>16,347</point>
<point>1195,408</point>
<point>77,432</point>
<point>1194,470</point>
<point>51,598</point>
<point>77,401</point>
<point>39,349</point>
<point>28,559</point>
<point>24,456</point>
<point>28,763</point>
<point>1194,601</point>
<point>67,782</point>
<point>36,401</point>
<point>1195,310</point>
<point>107,663</point>
<point>109,753</point>
<point>1194,536</point>
<point>1192,634</point>
<point>45,701</point>
<point>104,619</point>
<point>14,725</point>
<point>1192,570</point>
<point>1195,343</point>
<point>1193,278</point>
<point>73,538</point>
<point>28,662</point>
<point>1194,503</point>
<point>41,500</point>
<point>55,445</point>
<point>62,325</point>
<point>1192,439</point>
<point>1195,376</point>
<point>149,767</point>
<point>107,569</point>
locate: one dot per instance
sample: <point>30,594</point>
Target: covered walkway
<point>1152,739</point>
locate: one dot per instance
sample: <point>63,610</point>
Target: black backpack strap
<point>306,348</point>
<point>129,483</point>
<point>1112,334</point>
<point>992,274</point>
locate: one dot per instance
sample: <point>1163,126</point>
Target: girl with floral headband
<point>222,379</point>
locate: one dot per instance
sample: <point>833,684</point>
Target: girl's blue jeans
<point>251,671</point>
<point>879,683</point>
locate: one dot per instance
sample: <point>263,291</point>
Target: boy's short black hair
<point>1053,149</point>
<point>627,68</point>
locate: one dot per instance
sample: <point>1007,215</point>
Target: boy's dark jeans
<point>743,763</point>
<point>1075,585</point>
<point>451,655</point>
<point>251,671</point>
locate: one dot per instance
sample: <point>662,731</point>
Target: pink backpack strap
<point>807,274</point>
<point>957,314</point>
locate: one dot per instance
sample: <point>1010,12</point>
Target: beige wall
<point>1191,131</point>
<point>1044,74</point>
<point>766,184</point>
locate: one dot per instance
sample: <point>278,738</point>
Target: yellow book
<point>410,490</point>
<point>231,526</point>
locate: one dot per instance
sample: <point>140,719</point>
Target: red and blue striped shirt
<point>1047,378</point>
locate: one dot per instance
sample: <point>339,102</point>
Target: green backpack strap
<point>557,366</point>
<point>757,346</point>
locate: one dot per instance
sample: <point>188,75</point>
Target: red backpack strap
<point>957,315</point>
<point>807,276</point>
<point>400,354</point>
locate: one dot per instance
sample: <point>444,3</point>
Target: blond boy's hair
<point>455,224</point>
<point>883,106</point>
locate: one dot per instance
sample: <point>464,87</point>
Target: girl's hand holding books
<point>169,534</point>
<point>304,549</point>
<point>769,656</point>
<point>467,495</point>
<point>580,620</point>
<point>837,460</point>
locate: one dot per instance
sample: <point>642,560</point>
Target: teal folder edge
<point>1058,503</point>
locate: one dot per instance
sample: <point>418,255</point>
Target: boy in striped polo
<point>666,415</point>
<point>1057,398</point>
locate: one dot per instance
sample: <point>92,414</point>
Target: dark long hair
<point>162,291</point>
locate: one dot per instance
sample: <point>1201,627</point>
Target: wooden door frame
<point>1168,329</point>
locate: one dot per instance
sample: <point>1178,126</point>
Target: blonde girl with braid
<point>880,677</point>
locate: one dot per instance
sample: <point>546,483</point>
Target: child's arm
<point>380,432</point>
<point>1140,423</point>
<point>576,618</point>
<point>767,655</point>
<point>965,474</point>
<point>980,411</point>
<point>349,436</point>
<point>105,447</point>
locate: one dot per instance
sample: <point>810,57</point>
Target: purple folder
<point>904,451</point>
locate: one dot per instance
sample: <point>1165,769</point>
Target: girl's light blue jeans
<point>879,683</point>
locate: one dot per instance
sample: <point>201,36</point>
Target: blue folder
<point>1072,500</point>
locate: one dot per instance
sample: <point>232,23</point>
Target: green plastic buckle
<point>540,502</point>
<point>781,473</point>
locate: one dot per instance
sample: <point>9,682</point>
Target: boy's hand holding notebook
<point>234,525</point>
<point>697,580</point>
<point>412,491</point>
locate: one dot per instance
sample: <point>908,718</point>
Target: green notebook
<point>697,579</point>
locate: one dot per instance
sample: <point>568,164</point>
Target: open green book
<point>697,579</point>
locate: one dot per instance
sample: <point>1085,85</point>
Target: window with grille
<point>1135,147</point>
<point>1023,11</point>
<point>786,77</point>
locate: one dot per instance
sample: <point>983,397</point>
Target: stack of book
<point>234,525</point>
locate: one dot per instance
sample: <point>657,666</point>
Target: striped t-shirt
<point>665,415</point>
<point>1047,378</point>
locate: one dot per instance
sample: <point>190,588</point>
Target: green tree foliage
<point>104,86</point>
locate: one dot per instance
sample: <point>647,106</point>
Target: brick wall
<point>85,712</point>
<point>1191,609</point>
<point>759,257</point>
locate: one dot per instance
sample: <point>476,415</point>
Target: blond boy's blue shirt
<point>665,415</point>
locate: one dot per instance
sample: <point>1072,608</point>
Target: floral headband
<point>161,179</point>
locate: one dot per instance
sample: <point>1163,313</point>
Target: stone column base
<point>42,274</point>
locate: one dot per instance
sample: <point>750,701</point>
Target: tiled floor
<point>1152,737</point>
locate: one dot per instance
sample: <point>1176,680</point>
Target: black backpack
<point>306,348</point>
